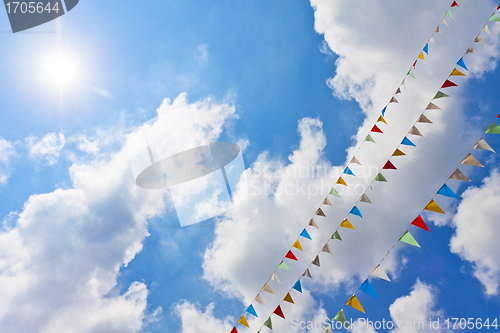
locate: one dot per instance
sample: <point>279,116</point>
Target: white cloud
<point>477,227</point>
<point>6,151</point>
<point>84,144</point>
<point>195,321</point>
<point>102,92</point>
<point>48,147</point>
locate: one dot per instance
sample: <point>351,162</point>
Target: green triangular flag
<point>493,129</point>
<point>369,138</point>
<point>408,239</point>
<point>380,178</point>
<point>440,94</point>
<point>341,318</point>
<point>494,17</point>
<point>336,235</point>
<point>268,323</point>
<point>448,13</point>
<point>411,74</point>
<point>284,266</point>
<point>334,192</point>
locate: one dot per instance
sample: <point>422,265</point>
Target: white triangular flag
<point>481,144</point>
<point>313,224</point>
<point>364,198</point>
<point>443,21</point>
<point>327,249</point>
<point>275,278</point>
<point>355,160</point>
<point>379,272</point>
<point>432,40</point>
<point>486,29</point>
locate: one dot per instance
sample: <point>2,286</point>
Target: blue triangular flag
<point>251,310</point>
<point>355,211</point>
<point>348,171</point>
<point>462,63</point>
<point>297,286</point>
<point>383,111</point>
<point>367,288</point>
<point>447,192</point>
<point>305,234</point>
<point>407,142</point>
<point>426,48</point>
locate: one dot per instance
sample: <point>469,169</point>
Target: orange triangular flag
<point>341,181</point>
<point>288,298</point>
<point>354,303</point>
<point>456,72</point>
<point>433,207</point>
<point>347,224</point>
<point>297,245</point>
<point>398,152</point>
<point>243,321</point>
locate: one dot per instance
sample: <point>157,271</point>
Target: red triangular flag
<point>498,7</point>
<point>498,115</point>
<point>455,4</point>
<point>234,330</point>
<point>376,129</point>
<point>278,312</point>
<point>290,255</point>
<point>414,64</point>
<point>419,222</point>
<point>447,84</point>
<point>389,166</point>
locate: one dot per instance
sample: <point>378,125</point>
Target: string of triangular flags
<point>419,222</point>
<point>364,198</point>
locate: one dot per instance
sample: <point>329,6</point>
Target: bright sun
<point>60,69</point>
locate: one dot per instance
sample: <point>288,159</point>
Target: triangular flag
<point>408,239</point>
<point>461,63</point>
<point>340,317</point>
<point>398,152</point>
<point>493,129</point>
<point>433,207</point>
<point>297,286</point>
<point>354,159</point>
<point>447,192</point>
<point>327,202</point>
<point>383,111</point>
<point>327,329</point>
<point>419,222</point>
<point>355,211</point>
<point>268,288</point>
<point>316,261</point>
<point>307,273</point>
<point>403,83</point>
<point>424,119</point>
<point>432,40</point>
<point>479,39</point>
<point>243,321</point>
<point>393,100</point>
<point>415,131</point>
<point>234,330</point>
<point>348,171</point>
<point>369,138</point>
<point>305,234</point>
<point>380,178</point>
<point>259,299</point>
<point>494,18</point>
<point>432,106</point>
<point>313,224</point>
<point>284,266</point>
<point>407,142</point>
<point>268,323</point>
<point>334,192</point>
<point>336,235</point>
<point>447,84</point>
<point>421,56</point>
<point>438,29</point>
<point>398,91</point>
<point>411,74</point>
<point>319,212</point>
<point>486,29</point>
<point>454,4</point>
<point>414,64</point>
<point>354,303</point>
<point>346,224</point>
<point>471,160</point>
<point>443,21</point>
<point>291,256</point>
<point>426,48</point>
<point>470,50</point>
<point>341,181</point>
<point>364,198</point>
<point>380,118</point>
<point>275,278</point>
<point>367,288</point>
<point>278,312</point>
<point>252,311</point>
<point>327,249</point>
<point>297,245</point>
<point>448,13</point>
<point>376,129</point>
<point>458,175</point>
<point>389,166</point>
<point>380,273</point>
<point>288,298</point>
<point>481,144</point>
<point>456,72</point>
<point>440,94</point>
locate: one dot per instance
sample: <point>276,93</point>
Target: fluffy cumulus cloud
<point>47,147</point>
<point>477,227</point>
<point>195,320</point>
<point>6,151</point>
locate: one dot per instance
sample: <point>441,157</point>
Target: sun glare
<point>60,69</point>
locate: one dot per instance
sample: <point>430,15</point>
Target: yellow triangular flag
<point>456,72</point>
<point>297,245</point>
<point>433,207</point>
<point>341,181</point>
<point>243,321</point>
<point>354,303</point>
<point>268,289</point>
<point>382,119</point>
<point>398,152</point>
<point>347,224</point>
<point>288,298</point>
<point>421,56</point>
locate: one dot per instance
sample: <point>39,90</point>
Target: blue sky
<point>299,84</point>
